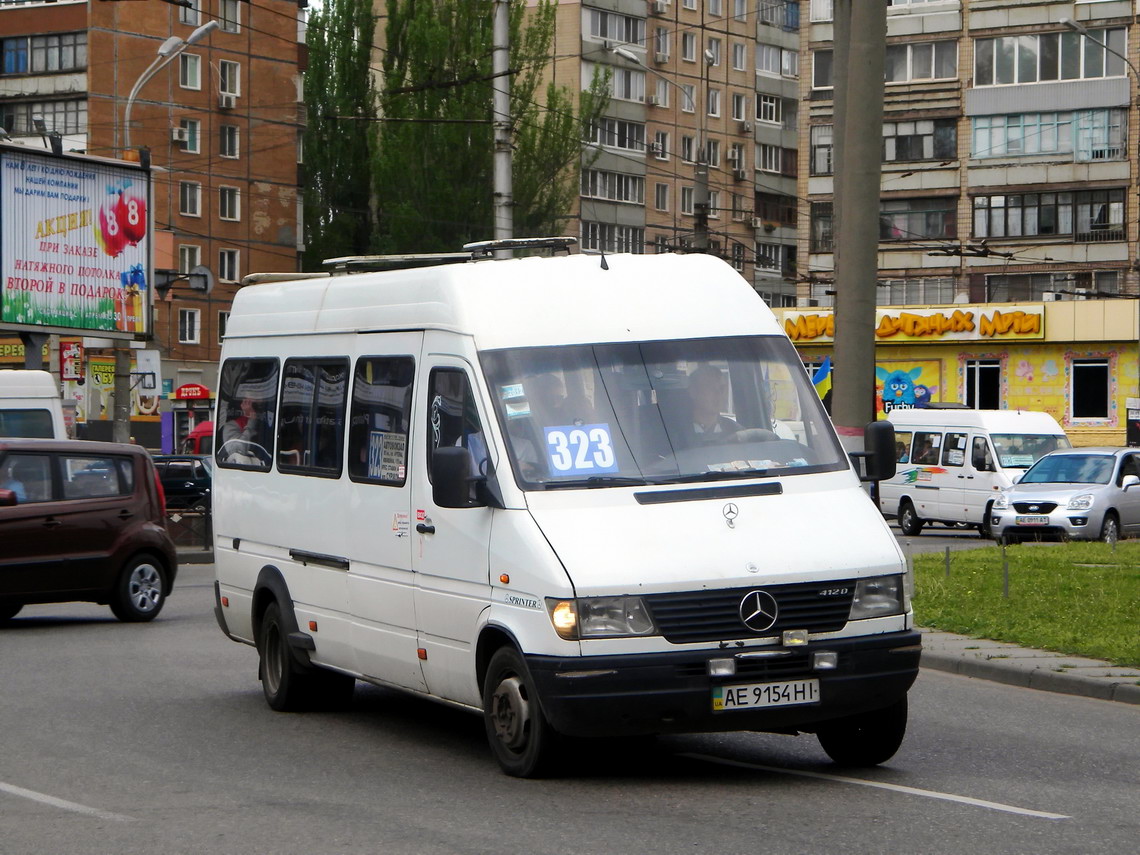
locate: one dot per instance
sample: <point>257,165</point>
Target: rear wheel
<point>866,739</point>
<point>289,686</point>
<point>909,523</point>
<point>520,737</point>
<point>1110,528</point>
<point>138,595</point>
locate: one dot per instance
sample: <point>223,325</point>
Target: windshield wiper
<point>600,481</point>
<point>726,475</point>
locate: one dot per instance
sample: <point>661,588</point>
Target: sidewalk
<point>1034,669</point>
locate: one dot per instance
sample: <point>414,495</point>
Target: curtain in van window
<point>310,424</point>
<point>379,419</point>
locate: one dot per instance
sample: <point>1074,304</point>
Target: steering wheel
<point>233,448</point>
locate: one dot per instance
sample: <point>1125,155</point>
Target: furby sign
<point>74,245</point>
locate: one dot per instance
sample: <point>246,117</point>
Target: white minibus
<point>953,463</point>
<point>30,405</point>
<point>580,495</point>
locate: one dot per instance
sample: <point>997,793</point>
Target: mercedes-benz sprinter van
<point>580,495</point>
<point>30,405</point>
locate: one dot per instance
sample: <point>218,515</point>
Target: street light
<point>167,51</point>
<point>701,172</point>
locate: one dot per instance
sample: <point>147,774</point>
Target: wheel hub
<point>510,713</point>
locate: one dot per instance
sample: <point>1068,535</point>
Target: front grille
<point>695,616</point>
<point>1034,507</point>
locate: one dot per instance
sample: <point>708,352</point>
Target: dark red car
<point>83,521</point>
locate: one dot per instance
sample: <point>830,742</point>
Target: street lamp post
<point>701,171</point>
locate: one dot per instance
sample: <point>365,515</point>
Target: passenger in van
<point>900,452</point>
<point>708,391</point>
<point>244,429</point>
<point>10,481</point>
<point>929,453</point>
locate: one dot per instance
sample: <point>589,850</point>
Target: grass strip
<point>1077,598</point>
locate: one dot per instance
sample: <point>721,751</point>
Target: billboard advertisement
<point>74,245</point>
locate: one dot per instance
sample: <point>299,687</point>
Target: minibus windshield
<point>600,415</point>
<point>1022,450</point>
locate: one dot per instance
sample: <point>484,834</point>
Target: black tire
<point>984,529</point>
<point>9,610</point>
<point>520,737</point>
<point>140,592</point>
<point>1110,528</point>
<point>288,685</point>
<point>866,739</point>
<point>909,523</point>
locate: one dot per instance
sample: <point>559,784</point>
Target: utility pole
<point>860,49</point>
<point>701,172</point>
<point>501,122</point>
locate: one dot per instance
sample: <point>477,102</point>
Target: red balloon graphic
<point>131,213</point>
<point>111,235</point>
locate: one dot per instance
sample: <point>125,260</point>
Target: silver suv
<point>1074,493</point>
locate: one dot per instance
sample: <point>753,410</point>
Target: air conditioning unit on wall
<point>226,101</point>
<point>180,135</point>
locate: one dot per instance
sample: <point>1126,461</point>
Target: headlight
<point>600,617</point>
<point>1081,503</point>
<point>877,597</point>
<point>1001,503</point>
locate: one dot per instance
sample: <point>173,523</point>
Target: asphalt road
<point>155,739</point>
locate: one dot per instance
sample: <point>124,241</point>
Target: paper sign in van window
<point>580,450</point>
<point>386,455</point>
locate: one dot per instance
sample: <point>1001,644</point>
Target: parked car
<point>83,521</point>
<point>186,478</point>
<point>1074,493</point>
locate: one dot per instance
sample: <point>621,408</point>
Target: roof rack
<point>259,278</point>
<point>353,263</point>
<point>486,247</point>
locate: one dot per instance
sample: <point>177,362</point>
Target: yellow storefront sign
<point>965,323</point>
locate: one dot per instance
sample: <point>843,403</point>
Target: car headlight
<point>1001,503</point>
<point>1081,503</point>
<point>600,617</point>
<point>878,596</point>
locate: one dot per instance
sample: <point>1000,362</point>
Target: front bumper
<point>1061,524</point>
<point>672,692</point>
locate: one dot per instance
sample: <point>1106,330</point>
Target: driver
<point>708,390</point>
<point>245,427</point>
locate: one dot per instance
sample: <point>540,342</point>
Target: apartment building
<point>698,147</point>
<point>220,122</point>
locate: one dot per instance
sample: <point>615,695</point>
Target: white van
<point>580,495</point>
<point>953,463</point>
<point>30,405</point>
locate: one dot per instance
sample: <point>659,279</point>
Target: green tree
<point>338,140</point>
<point>433,167</point>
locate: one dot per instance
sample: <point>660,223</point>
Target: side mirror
<point>451,478</point>
<point>8,498</point>
<point>878,458</point>
<point>979,462</point>
<point>1129,481</point>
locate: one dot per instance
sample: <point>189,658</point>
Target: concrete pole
<point>121,428</point>
<point>501,122</point>
<point>860,40</point>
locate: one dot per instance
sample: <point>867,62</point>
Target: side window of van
<point>247,403</point>
<point>28,476</point>
<point>954,450</point>
<point>980,457</point>
<point>91,477</point>
<point>926,447</point>
<point>902,446</point>
<point>379,419</point>
<point>310,426</point>
<point>453,418</point>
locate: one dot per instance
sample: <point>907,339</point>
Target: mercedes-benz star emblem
<point>731,512</point>
<point>758,611</point>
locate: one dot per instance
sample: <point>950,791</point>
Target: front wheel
<point>866,739</point>
<point>1110,529</point>
<point>520,737</point>
<point>138,594</point>
<point>909,523</point>
<point>985,529</point>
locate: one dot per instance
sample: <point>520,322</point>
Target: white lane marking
<point>898,788</point>
<point>62,804</point>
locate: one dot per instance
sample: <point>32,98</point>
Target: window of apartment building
<point>712,153</point>
<point>790,63</point>
<point>618,28</point>
<point>769,256</point>
<point>780,13</point>
<point>713,106</point>
<point>1089,388</point>
<point>688,98</point>
<point>189,257</point>
<point>822,227</point>
<point>38,54</point>
<point>230,145</point>
<point>661,197</point>
<point>190,133</point>
<point>768,108</point>
<point>822,149</point>
<point>687,144</point>
<point>14,55</point>
<point>228,265</point>
<point>661,92</point>
<point>918,219</point>
<point>921,61</point>
<point>229,14</point>
<point>768,157</point>
<point>627,84</point>
<point>689,47</point>
<point>930,290</point>
<point>660,244</point>
<point>716,7</point>
<point>821,10</point>
<point>776,208</point>
<point>188,326</point>
<point>821,69</point>
<point>190,13</point>
<point>223,322</point>
<point>609,237</point>
<point>983,384</point>
<point>1033,58</point>
<point>662,44</point>
<point>616,133</point>
<point>1064,285</point>
<point>614,186</point>
<point>229,203</point>
<point>714,50</point>
<point>190,198</point>
<point>740,9</point>
<point>229,77</point>
<point>1090,216</point>
<point>767,59</point>
<point>689,4</point>
<point>736,156</point>
<point>66,117</point>
<point>739,106</point>
<point>790,108</point>
<point>739,206</point>
<point>714,205</point>
<point>738,256</point>
<point>739,56</point>
<point>661,145</point>
<point>190,71</point>
<point>925,139</point>
<point>1088,134</point>
<point>687,197</point>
